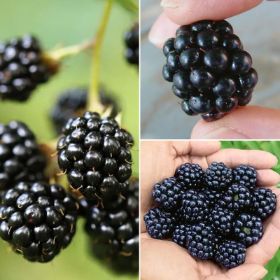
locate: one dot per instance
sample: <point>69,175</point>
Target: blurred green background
<point>56,23</point>
<point>273,147</point>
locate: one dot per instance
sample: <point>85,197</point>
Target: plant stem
<point>93,101</point>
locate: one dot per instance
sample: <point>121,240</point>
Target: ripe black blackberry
<point>194,206</point>
<point>20,157</point>
<point>131,40</point>
<point>246,175</point>
<point>218,176</point>
<point>113,230</point>
<point>167,193</point>
<point>263,202</point>
<point>230,254</point>
<point>159,224</point>
<point>200,243</point>
<point>248,229</point>
<point>209,69</point>
<point>23,67</point>
<point>94,152</point>
<point>236,198</point>
<point>181,234</point>
<point>212,196</point>
<point>190,175</point>
<point>222,220</point>
<point>38,220</point>
<point>72,103</point>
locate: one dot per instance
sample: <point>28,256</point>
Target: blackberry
<point>222,220</point>
<point>180,234</point>
<point>94,152</point>
<point>159,224</point>
<point>236,198</point>
<point>131,40</point>
<point>212,196</point>
<point>20,157</point>
<point>113,231</point>
<point>246,175</point>
<point>200,243</point>
<point>218,176</point>
<point>248,229</point>
<point>72,103</point>
<point>23,67</point>
<point>209,69</point>
<point>167,193</point>
<point>263,202</point>
<point>38,220</point>
<point>190,175</point>
<point>230,254</point>
<point>194,206</point>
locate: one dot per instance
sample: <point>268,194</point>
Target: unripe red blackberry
<point>22,68</point>
<point>131,40</point>
<point>20,157</point>
<point>209,69</point>
<point>94,153</point>
<point>38,220</point>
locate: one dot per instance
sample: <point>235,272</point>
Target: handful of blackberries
<point>215,214</point>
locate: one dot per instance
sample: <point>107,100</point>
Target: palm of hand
<point>162,259</point>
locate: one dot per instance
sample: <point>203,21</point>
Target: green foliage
<point>273,147</point>
<point>130,5</point>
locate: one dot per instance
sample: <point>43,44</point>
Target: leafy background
<point>67,22</point>
<point>273,147</point>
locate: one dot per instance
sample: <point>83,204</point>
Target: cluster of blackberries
<point>94,153</point>
<point>72,103</point>
<point>209,69</point>
<point>113,229</point>
<point>131,40</point>
<point>22,68</point>
<point>215,214</point>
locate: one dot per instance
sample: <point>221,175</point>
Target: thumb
<point>250,122</point>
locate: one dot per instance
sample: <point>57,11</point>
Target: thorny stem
<point>93,101</point>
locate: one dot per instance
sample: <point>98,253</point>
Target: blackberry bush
<point>20,156</point>
<point>131,40</point>
<point>209,70</point>
<point>38,220</point>
<point>94,152</point>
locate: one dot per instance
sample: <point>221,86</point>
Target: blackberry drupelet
<point>94,152</point>
<point>218,176</point>
<point>23,67</point>
<point>167,194</point>
<point>20,157</point>
<point>200,243</point>
<point>209,69</point>
<point>159,224</point>
<point>236,198</point>
<point>248,229</point>
<point>72,103</point>
<point>113,230</point>
<point>263,202</point>
<point>131,40</point>
<point>190,175</point>
<point>181,234</point>
<point>38,220</point>
<point>222,220</point>
<point>194,206</point>
<point>246,175</point>
<point>212,196</point>
<point>230,254</point>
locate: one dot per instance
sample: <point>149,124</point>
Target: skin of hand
<point>243,123</point>
<point>165,260</point>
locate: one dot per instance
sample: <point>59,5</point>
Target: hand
<point>246,122</point>
<point>163,259</point>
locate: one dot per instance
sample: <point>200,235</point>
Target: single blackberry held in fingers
<point>23,67</point>
<point>38,220</point>
<point>94,152</point>
<point>209,69</point>
<point>131,40</point>
<point>20,156</point>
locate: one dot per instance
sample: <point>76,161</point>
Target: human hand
<point>163,259</point>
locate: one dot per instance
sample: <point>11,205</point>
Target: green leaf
<point>129,5</point>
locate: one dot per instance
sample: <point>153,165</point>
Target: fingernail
<point>170,3</point>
